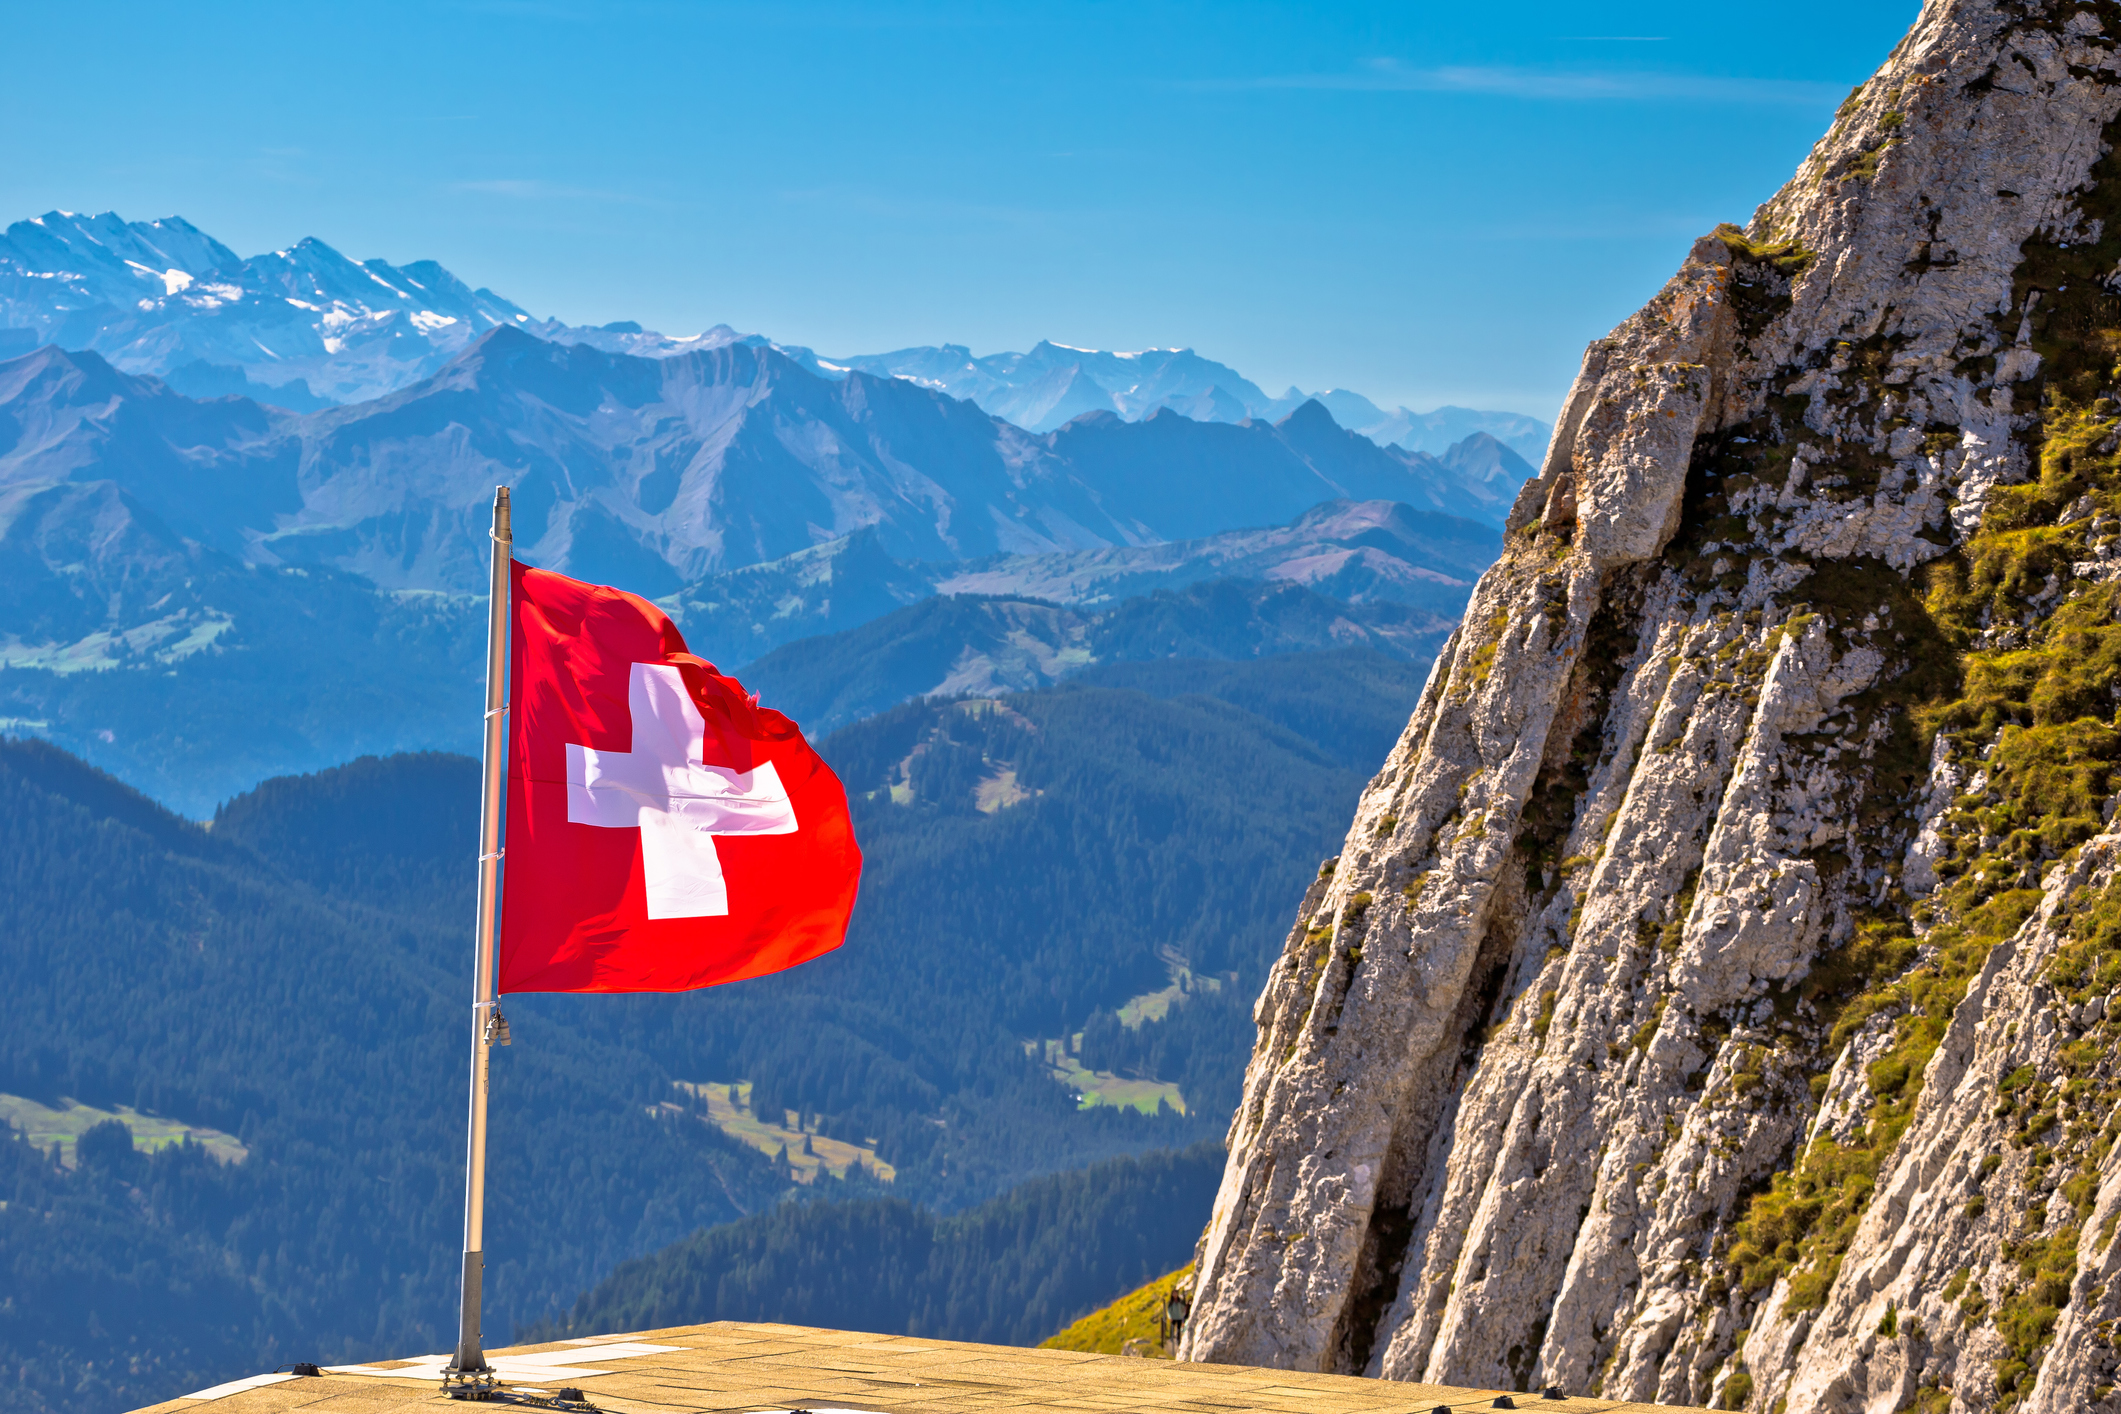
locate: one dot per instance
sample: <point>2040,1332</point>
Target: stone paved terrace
<point>732,1366</point>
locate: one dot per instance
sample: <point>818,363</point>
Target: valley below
<point>1090,759</point>
<point>1148,839</point>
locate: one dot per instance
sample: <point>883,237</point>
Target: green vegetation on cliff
<point>2031,727</point>
<point>1137,1316</point>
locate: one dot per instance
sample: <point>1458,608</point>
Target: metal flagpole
<point>488,1029</point>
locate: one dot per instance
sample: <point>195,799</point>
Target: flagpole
<point>487,1028</point>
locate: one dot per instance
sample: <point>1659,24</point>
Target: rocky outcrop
<point>1988,1244</point>
<point>1707,1004</point>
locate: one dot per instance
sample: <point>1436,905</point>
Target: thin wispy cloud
<point>1549,85</point>
<point>900,207</point>
<point>517,189</point>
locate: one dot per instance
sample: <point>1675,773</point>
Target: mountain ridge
<point>975,645</point>
<point>194,676</point>
<point>319,563</point>
<point>1355,551</point>
<point>305,326</point>
<point>654,471</point>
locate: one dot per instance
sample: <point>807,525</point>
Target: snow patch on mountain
<point>307,326</point>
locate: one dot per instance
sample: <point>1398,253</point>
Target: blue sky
<point>1424,202</point>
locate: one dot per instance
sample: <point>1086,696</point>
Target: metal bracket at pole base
<point>471,1360</point>
<point>485,1389</point>
<point>458,1385</point>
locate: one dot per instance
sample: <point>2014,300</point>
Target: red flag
<point>665,832</point>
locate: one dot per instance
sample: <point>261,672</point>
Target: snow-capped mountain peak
<point>305,326</point>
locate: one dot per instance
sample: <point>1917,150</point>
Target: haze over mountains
<point>1357,552</point>
<point>267,479</point>
<point>651,472</point>
<point>306,327</point>
<point>1055,383</point>
<point>976,646</point>
<point>322,561</point>
<point>193,675</point>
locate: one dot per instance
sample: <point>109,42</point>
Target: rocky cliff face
<point>1710,1003</point>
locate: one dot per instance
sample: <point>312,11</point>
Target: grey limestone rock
<point>1565,1004</point>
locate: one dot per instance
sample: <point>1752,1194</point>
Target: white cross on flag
<point>664,831</point>
<point>679,803</point>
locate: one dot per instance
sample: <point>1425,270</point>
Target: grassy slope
<point>64,1122</point>
<point>1136,1316</point>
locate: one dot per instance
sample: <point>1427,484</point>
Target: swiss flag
<point>665,832</point>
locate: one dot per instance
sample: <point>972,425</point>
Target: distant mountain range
<point>653,472</point>
<point>980,646</point>
<point>1054,383</point>
<point>1356,552</point>
<point>164,297</point>
<point>193,675</point>
<point>306,327</point>
<point>197,593</point>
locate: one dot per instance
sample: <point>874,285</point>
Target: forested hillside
<point>297,976</point>
<point>1010,1271</point>
<point>156,964</point>
<point>1031,861</point>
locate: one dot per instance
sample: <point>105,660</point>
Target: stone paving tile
<point>727,1367</point>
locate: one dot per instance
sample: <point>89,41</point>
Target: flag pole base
<point>478,1384</point>
<point>470,1361</point>
<point>483,1387</point>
